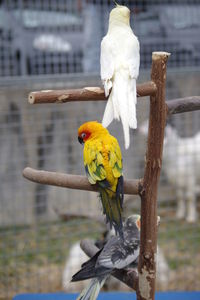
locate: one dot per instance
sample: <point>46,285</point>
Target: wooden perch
<point>175,106</point>
<point>148,194</point>
<point>181,105</point>
<point>130,278</point>
<point>84,94</point>
<point>77,182</point>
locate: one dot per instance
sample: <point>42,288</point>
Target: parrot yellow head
<point>89,130</point>
<point>120,13</point>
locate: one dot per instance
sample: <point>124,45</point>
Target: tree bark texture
<point>181,105</point>
<point>84,94</point>
<point>175,106</point>
<point>148,193</point>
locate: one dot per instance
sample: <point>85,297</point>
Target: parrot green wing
<point>115,158</point>
<point>93,161</point>
<point>103,165</point>
<point>112,198</point>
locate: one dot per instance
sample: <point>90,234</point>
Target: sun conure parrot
<point>103,165</point>
<point>120,61</point>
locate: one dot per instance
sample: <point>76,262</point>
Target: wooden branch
<point>84,94</point>
<point>157,120</point>
<point>181,105</point>
<point>130,278</point>
<point>77,182</point>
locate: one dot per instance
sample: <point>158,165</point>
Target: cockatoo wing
<point>133,55</point>
<point>107,63</point>
<point>133,60</point>
<point>107,71</point>
<point>117,255</point>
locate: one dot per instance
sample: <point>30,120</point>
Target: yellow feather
<point>99,158</point>
<point>119,162</point>
<point>91,180</point>
<point>116,172</point>
<point>118,153</point>
<point>112,159</point>
<point>92,167</point>
<point>103,173</point>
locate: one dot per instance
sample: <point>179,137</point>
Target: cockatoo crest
<point>117,5</point>
<point>120,13</point>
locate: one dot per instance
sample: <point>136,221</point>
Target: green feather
<point>112,208</point>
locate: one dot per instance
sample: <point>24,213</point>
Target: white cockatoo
<point>120,61</point>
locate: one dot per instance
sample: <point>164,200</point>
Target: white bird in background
<point>120,61</point>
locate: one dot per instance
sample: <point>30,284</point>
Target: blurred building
<point>54,37</point>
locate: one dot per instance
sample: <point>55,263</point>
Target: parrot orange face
<point>103,165</point>
<point>83,136</point>
<point>89,130</point>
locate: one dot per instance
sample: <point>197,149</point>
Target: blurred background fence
<point>56,44</point>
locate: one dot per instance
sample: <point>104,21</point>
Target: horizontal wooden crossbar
<point>174,106</point>
<point>181,105</point>
<point>78,182</point>
<point>84,94</point>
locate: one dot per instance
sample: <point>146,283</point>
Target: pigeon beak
<point>138,224</point>
<point>80,140</point>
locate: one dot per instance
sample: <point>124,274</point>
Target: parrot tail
<point>112,208</point>
<point>91,292</point>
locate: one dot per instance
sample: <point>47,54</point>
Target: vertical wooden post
<point>148,192</point>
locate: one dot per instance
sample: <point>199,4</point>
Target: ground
<point>32,258</point>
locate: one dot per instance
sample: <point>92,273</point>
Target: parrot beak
<point>80,140</point>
